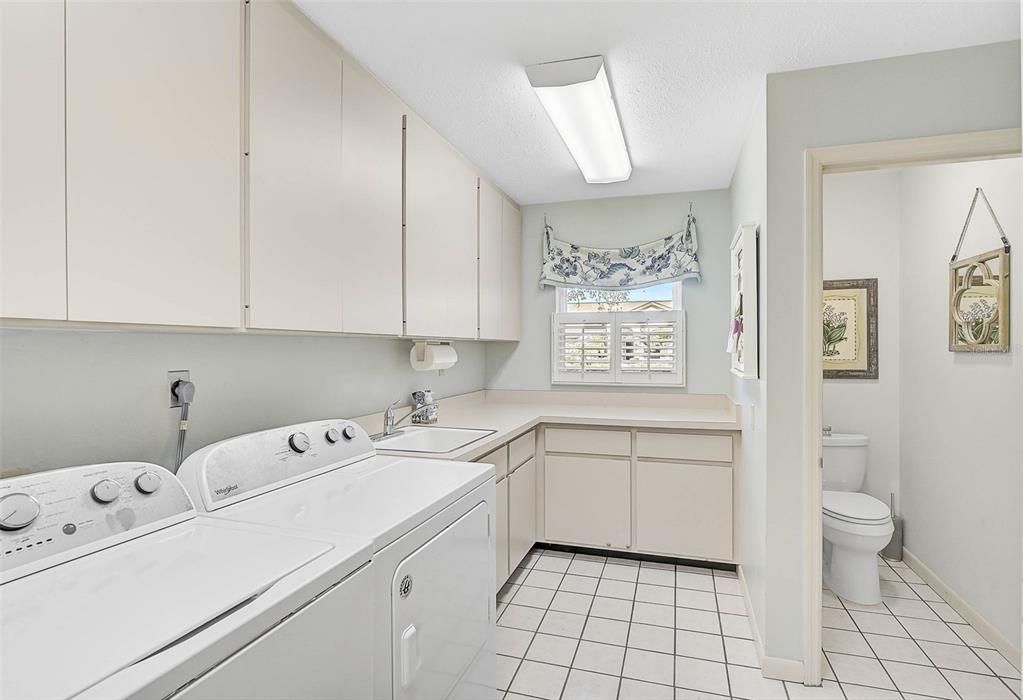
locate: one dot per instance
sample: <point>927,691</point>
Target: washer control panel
<point>51,516</point>
<point>241,467</point>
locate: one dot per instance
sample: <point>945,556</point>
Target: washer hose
<point>184,391</point>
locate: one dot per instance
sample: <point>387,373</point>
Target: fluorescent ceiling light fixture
<point>577,97</point>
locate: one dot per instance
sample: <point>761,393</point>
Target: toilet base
<point>853,575</point>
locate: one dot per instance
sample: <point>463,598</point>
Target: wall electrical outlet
<point>173,376</point>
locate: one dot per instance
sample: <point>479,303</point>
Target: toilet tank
<point>845,461</point>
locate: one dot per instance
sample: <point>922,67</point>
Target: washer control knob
<point>332,435</point>
<point>349,432</point>
<point>17,511</point>
<point>299,442</point>
<point>148,482</point>
<point>106,491</point>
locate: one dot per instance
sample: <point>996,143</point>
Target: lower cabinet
<point>521,512</point>
<point>684,509</point>
<point>501,526</point>
<point>587,500</point>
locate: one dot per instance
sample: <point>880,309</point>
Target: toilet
<point>856,526</point>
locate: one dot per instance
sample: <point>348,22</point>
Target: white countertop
<point>511,413</point>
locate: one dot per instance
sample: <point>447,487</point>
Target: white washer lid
<point>855,507</point>
<point>67,628</point>
<point>380,498</point>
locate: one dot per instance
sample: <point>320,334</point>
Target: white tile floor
<point>595,628</point>
<point>578,627</point>
<point>912,645</point>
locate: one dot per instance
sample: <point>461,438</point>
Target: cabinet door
<point>521,513</point>
<point>587,500</point>
<point>33,282</point>
<point>511,271</point>
<point>501,529</point>
<point>295,252</point>
<point>684,510</point>
<point>491,262</point>
<point>154,135</point>
<point>371,137</point>
<point>440,237</point>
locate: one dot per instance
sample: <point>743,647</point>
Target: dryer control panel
<point>242,467</point>
<point>50,517</point>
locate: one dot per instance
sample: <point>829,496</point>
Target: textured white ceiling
<point>685,75</point>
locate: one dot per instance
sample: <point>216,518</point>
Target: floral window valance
<point>668,259</point>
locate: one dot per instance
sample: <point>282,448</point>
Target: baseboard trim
<point>1009,650</point>
<point>770,666</point>
<point>782,669</point>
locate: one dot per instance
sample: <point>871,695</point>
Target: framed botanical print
<point>850,329</point>
<point>978,303</point>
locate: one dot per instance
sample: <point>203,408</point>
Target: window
<point>626,337</point>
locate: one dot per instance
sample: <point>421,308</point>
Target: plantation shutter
<point>583,348</point>
<point>618,348</point>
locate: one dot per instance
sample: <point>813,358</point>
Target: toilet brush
<point>893,552</point>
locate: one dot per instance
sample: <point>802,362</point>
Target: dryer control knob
<point>106,491</point>
<point>332,435</point>
<point>299,442</point>
<point>17,511</point>
<point>148,482</point>
<point>349,432</point>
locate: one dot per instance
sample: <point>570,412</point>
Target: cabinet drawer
<point>684,510</point>
<point>699,448</point>
<point>499,458</point>
<point>597,442</point>
<point>521,450</point>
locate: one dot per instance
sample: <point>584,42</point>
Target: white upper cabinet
<point>511,270</point>
<point>491,263</point>
<point>32,236</point>
<point>441,292</point>
<point>154,133</point>
<point>500,235</point>
<point>371,141</point>
<point>296,254</point>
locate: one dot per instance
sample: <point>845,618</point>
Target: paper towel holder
<point>428,355</point>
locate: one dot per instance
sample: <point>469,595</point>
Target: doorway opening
<point>871,315</point>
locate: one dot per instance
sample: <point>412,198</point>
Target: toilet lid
<point>854,507</point>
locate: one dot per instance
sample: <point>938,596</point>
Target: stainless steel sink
<point>430,440</point>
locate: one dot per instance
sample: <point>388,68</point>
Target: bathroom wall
<point>961,414</point>
<point>75,397</point>
<point>616,222</point>
<point>749,205</point>
<point>862,223</point>
<point>959,90</point>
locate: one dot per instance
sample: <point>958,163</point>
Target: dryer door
<point>442,606</point>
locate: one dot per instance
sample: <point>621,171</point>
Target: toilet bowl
<point>856,526</point>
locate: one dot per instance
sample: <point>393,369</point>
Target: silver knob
<point>17,511</point>
<point>332,435</point>
<point>299,442</point>
<point>349,432</point>
<point>106,491</point>
<point>148,482</point>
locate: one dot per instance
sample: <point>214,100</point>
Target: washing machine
<point>432,528</point>
<point>111,586</point>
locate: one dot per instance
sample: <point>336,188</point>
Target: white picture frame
<point>743,256</point>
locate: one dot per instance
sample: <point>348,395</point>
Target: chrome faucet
<point>391,423</point>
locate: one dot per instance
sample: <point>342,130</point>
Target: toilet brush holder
<point>893,552</point>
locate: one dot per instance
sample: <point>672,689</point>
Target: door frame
<point>950,148</point>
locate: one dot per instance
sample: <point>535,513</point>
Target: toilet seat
<point>856,508</point>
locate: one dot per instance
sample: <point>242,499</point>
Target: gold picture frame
<point>850,329</point>
<point>978,303</point>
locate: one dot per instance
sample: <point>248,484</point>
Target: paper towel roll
<point>426,357</point>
